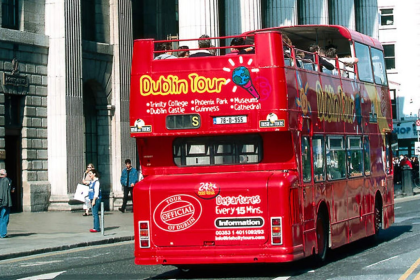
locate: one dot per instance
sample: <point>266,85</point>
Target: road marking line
<point>417,276</point>
<point>282,278</point>
<point>410,270</point>
<point>381,261</point>
<point>403,219</point>
<point>43,276</point>
<point>38,263</point>
<point>395,208</point>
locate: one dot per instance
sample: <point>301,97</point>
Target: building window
<point>389,51</point>
<point>393,103</point>
<point>91,124</point>
<point>88,20</point>
<point>387,17</point>
<point>12,111</point>
<point>9,12</point>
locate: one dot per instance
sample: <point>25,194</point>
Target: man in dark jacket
<point>129,178</point>
<point>203,44</point>
<point>5,202</point>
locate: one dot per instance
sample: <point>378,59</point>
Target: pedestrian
<point>86,181</point>
<point>405,162</point>
<point>95,196</point>
<point>5,202</point>
<point>129,177</point>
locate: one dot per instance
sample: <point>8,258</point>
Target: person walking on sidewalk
<point>95,196</point>
<point>5,202</point>
<point>86,181</point>
<point>129,177</point>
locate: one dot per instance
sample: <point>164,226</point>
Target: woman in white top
<point>95,197</point>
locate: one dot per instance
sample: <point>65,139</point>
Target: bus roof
<point>326,33</point>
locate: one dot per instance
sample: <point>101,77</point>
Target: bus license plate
<point>230,120</point>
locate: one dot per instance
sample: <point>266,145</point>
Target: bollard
<point>102,219</point>
<point>407,180</point>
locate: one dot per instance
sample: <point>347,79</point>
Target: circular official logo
<point>177,213</point>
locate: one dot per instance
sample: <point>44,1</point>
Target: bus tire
<point>377,219</point>
<point>321,237</point>
<point>184,269</point>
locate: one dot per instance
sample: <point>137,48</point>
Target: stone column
<point>367,17</point>
<point>313,11</point>
<point>65,102</point>
<point>342,13</point>
<point>197,17</point>
<point>280,13</point>
<point>242,16</point>
<point>123,146</point>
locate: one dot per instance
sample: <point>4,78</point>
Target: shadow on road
<point>283,269</point>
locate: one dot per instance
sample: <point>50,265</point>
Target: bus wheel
<point>322,237</point>
<point>377,219</point>
<point>184,269</point>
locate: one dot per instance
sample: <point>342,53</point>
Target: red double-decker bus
<point>263,156</point>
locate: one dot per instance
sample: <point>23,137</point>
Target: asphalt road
<point>394,256</point>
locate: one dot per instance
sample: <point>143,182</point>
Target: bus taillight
<point>276,233</point>
<point>144,234</point>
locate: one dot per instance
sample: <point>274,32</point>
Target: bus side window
<point>318,148</point>
<point>354,157</point>
<point>336,158</point>
<point>388,157</point>
<point>366,151</point>
<point>306,160</point>
<point>379,69</point>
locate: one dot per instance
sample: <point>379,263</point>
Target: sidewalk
<point>40,232</point>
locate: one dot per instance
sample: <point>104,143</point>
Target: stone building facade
<point>65,78</point>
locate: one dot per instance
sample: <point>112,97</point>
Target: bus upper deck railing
<point>293,57</point>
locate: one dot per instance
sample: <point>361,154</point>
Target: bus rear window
<point>217,150</point>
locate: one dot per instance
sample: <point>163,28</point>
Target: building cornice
<point>21,37</point>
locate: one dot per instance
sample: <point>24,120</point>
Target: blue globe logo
<point>240,76</point>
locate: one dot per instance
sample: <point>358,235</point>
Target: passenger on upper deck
<point>203,45</point>
<point>345,63</point>
<point>235,46</point>
<point>165,47</point>
<point>348,62</point>
<point>184,54</point>
<point>287,44</point>
<point>324,63</point>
